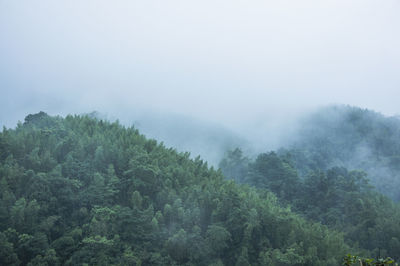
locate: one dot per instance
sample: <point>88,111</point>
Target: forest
<point>80,190</point>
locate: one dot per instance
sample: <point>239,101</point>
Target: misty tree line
<point>79,191</point>
<point>82,191</point>
<point>341,199</point>
<point>353,138</point>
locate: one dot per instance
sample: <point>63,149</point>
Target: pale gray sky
<point>220,60</point>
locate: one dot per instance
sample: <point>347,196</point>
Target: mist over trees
<point>312,175</point>
<point>82,190</point>
<point>338,135</point>
<point>341,199</point>
<point>79,190</point>
<point>350,137</point>
<point>214,140</point>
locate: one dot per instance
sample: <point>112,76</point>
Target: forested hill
<point>350,137</point>
<point>339,198</point>
<point>77,191</point>
<point>336,171</point>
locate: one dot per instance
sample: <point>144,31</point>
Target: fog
<point>249,68</point>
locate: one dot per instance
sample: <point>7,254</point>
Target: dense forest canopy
<point>338,198</point>
<point>80,190</point>
<point>312,175</point>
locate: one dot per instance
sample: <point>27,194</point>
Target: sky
<point>226,61</point>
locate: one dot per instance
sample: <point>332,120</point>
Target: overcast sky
<point>225,61</point>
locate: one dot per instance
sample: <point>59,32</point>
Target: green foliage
<point>235,165</point>
<point>8,254</point>
<point>349,260</point>
<point>81,191</point>
<point>341,199</point>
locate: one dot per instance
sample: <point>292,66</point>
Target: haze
<point>233,63</point>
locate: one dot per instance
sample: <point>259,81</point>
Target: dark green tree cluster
<point>341,199</point>
<point>82,191</point>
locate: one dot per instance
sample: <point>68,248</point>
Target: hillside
<point>338,198</point>
<point>341,169</point>
<point>207,139</point>
<point>350,137</point>
<point>79,190</point>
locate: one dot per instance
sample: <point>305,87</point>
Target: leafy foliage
<point>338,198</point>
<point>78,190</point>
<point>354,260</point>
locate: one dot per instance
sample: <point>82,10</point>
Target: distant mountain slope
<point>209,140</point>
<point>312,176</point>
<point>79,190</point>
<point>339,198</point>
<point>354,138</point>
<point>185,134</point>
